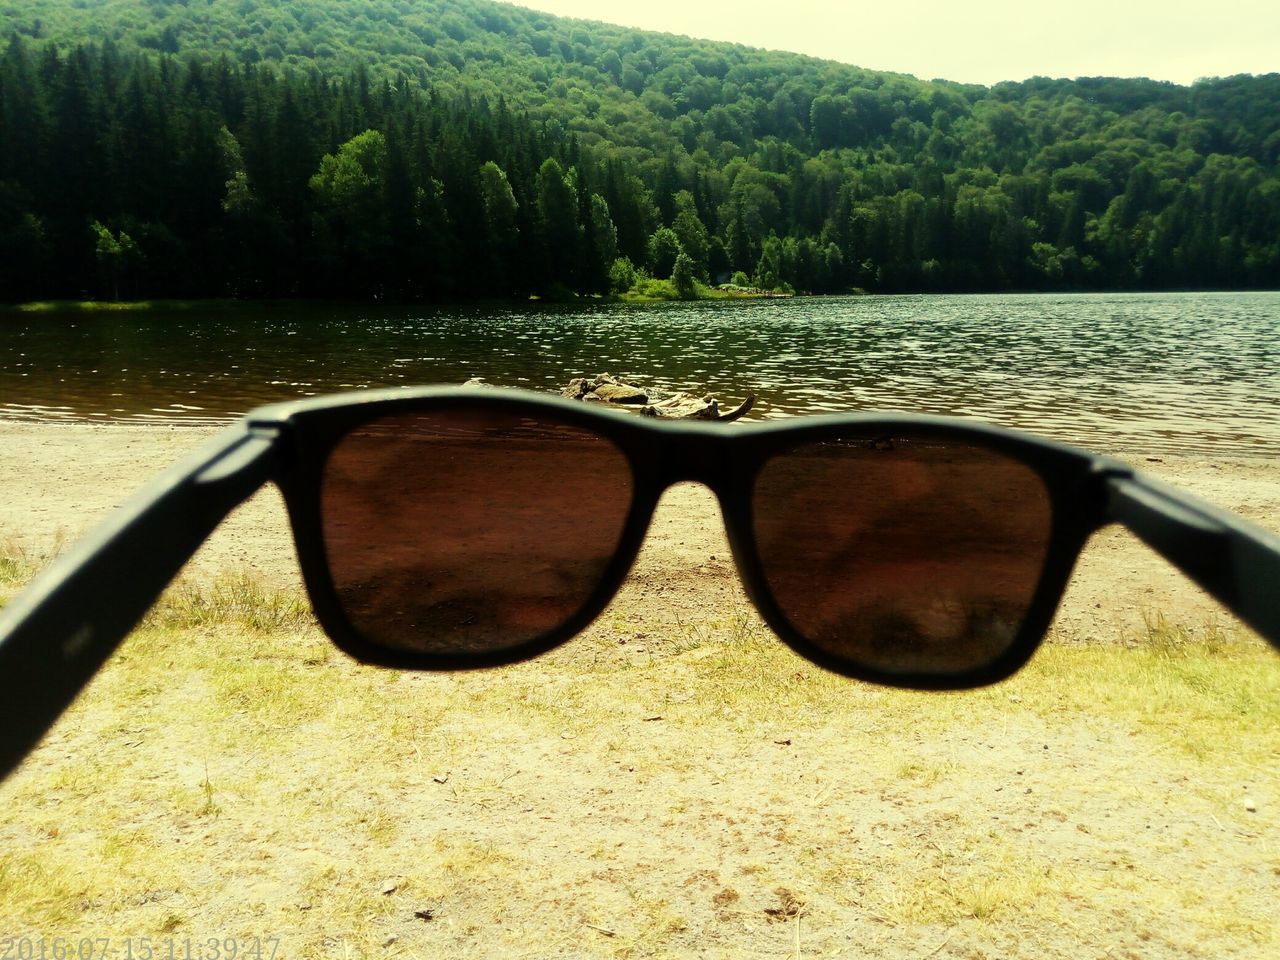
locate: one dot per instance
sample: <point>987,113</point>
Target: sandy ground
<point>58,480</point>
<point>714,819</point>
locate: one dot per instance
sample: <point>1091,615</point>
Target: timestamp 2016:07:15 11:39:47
<point>138,948</point>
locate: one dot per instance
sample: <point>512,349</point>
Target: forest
<point>432,149</point>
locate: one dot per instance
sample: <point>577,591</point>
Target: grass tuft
<point>1167,639</point>
<point>20,562</point>
<point>240,599</point>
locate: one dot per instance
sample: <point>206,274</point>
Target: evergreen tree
<point>558,228</point>
<point>501,212</point>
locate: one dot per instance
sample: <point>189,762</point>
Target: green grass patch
<point>1191,687</point>
<point>130,306</point>
<point>652,290</point>
<point>162,307</point>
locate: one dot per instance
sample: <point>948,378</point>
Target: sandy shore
<point>58,480</point>
<point>652,791</point>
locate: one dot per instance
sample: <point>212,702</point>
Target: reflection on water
<point>1190,372</point>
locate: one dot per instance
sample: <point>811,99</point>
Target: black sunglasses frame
<point>57,633</point>
<point>661,454</point>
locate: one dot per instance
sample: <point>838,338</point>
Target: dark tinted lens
<point>904,554</point>
<point>467,530</point>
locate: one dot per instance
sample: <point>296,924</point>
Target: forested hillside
<point>423,148</point>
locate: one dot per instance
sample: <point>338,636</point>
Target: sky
<point>978,41</point>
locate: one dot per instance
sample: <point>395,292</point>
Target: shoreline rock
<point>605,388</point>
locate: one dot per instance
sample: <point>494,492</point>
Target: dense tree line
<point>144,176</point>
<point>232,147</point>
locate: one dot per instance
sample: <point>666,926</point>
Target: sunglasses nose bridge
<point>698,456</point>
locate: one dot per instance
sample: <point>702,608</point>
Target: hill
<point>419,148</point>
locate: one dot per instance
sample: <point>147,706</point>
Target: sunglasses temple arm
<point>1233,560</point>
<point>58,631</point>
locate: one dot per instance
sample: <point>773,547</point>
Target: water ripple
<point>1137,372</point>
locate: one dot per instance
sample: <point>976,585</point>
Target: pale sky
<point>978,41</point>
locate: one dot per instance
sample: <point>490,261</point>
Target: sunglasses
<point>447,528</point>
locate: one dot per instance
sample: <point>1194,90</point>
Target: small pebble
<point>1250,805</point>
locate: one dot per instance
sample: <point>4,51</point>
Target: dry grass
<point>703,793</point>
<point>19,562</point>
<point>237,599</point>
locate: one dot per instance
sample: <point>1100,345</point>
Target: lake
<point>1129,372</point>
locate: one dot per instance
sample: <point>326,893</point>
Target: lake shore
<point>58,480</point>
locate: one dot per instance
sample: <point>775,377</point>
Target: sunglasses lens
<point>469,530</point>
<point>910,554</point>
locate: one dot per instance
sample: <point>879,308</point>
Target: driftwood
<point>651,403</point>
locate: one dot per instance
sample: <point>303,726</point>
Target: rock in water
<point>604,388</point>
<point>620,393</point>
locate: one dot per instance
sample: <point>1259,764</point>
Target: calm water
<point>1140,372</point>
